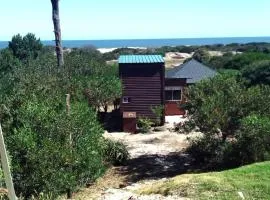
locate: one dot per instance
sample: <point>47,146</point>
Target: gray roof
<point>193,70</point>
<point>140,59</point>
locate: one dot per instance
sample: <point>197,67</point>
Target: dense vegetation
<point>55,143</point>
<point>231,110</point>
<point>234,47</point>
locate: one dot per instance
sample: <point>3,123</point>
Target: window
<point>126,100</point>
<point>176,95</point>
<point>173,93</point>
<point>168,95</point>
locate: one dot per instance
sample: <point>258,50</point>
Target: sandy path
<point>154,156</point>
<point>158,143</point>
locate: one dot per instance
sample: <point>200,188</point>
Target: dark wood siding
<point>172,107</point>
<point>175,82</point>
<point>144,85</point>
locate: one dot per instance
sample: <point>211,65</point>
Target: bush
<point>202,55</point>
<point>144,124</point>
<point>240,61</point>
<point>257,72</point>
<point>4,192</point>
<point>43,196</point>
<point>220,107</point>
<point>208,150</point>
<point>158,111</point>
<point>114,152</point>
<point>185,127</point>
<point>26,47</point>
<point>250,144</point>
<point>217,104</point>
<point>220,103</point>
<point>253,140</point>
<point>52,151</point>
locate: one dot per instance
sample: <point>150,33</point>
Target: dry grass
<point>112,179</point>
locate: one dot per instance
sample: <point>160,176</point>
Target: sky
<point>136,19</point>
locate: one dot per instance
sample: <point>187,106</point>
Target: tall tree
<point>201,55</point>
<point>25,48</point>
<point>57,32</point>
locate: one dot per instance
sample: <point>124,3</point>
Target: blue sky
<point>126,19</point>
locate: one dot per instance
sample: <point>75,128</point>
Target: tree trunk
<point>57,32</point>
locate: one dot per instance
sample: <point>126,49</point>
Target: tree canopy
<point>26,47</point>
<point>35,121</point>
<point>257,72</point>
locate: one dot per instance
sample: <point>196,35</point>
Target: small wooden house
<point>143,80</point>
<point>178,78</point>
<point>145,86</point>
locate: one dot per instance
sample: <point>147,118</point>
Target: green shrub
<point>144,124</point>
<point>220,103</point>
<point>219,107</point>
<point>43,196</point>
<point>185,127</point>
<point>217,104</point>
<point>114,152</point>
<point>158,111</point>
<point>208,150</point>
<point>250,144</point>
<point>257,72</point>
<point>54,152</point>
<point>240,61</point>
<point>3,195</point>
<point>253,139</point>
<point>201,55</point>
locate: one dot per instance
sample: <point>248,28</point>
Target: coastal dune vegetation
<point>225,49</point>
<point>55,148</point>
<point>231,111</point>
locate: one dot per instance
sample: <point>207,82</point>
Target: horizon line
<point>216,37</point>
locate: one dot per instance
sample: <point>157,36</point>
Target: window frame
<point>172,89</point>
<point>126,100</point>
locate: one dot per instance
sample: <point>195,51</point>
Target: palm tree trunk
<point>57,32</point>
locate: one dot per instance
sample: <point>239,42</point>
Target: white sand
<point>159,144</point>
<point>175,119</point>
<point>106,50</point>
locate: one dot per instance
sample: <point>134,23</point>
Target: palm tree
<point>57,32</point>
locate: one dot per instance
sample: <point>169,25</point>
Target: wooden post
<point>68,104</point>
<point>68,113</point>
<point>6,169</point>
<point>68,107</point>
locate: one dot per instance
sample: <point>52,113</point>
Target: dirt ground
<point>153,156</point>
<point>155,143</point>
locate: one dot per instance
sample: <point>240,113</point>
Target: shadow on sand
<point>151,167</point>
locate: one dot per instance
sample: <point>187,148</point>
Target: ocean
<point>152,42</point>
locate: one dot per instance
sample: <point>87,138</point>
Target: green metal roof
<point>140,59</point>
